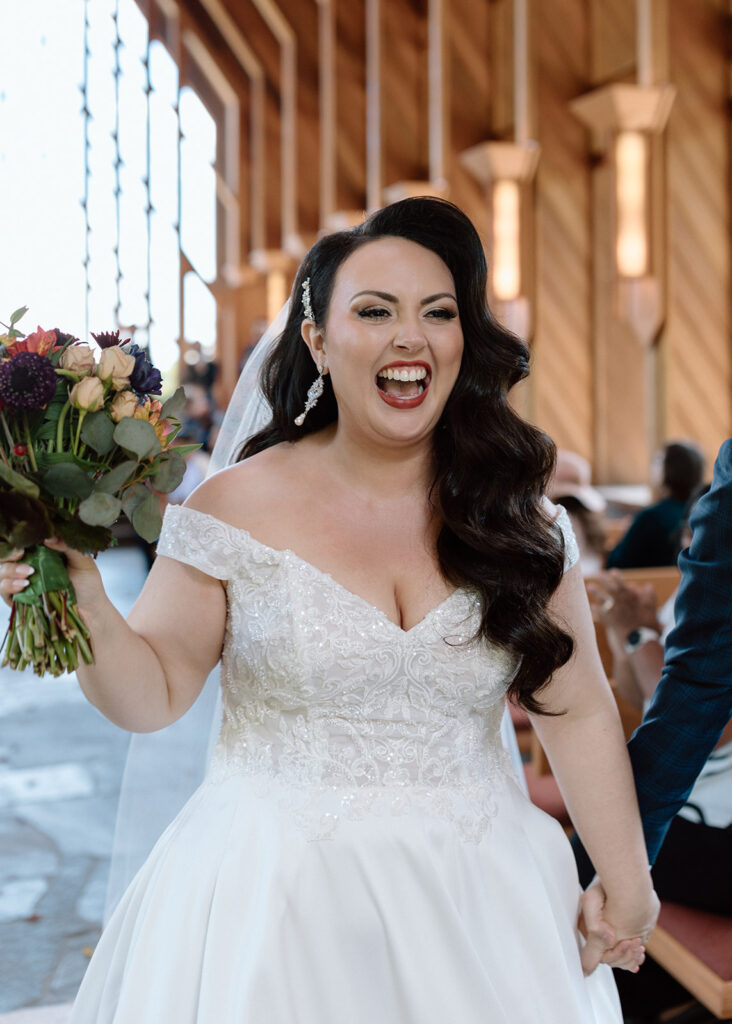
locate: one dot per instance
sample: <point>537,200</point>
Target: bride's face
<point>392,340</point>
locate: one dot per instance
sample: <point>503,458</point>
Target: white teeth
<point>394,373</point>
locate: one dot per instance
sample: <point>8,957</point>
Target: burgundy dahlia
<point>107,339</point>
<point>27,381</point>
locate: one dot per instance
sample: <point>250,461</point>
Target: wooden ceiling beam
<point>251,66</point>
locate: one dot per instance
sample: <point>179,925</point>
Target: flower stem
<point>6,428</point>
<point>60,427</point>
<point>29,443</point>
<point>82,414</point>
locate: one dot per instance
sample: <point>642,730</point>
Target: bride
<point>377,571</point>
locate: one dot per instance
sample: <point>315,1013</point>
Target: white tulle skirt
<point>238,918</point>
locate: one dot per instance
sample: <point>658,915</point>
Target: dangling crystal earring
<point>314,392</point>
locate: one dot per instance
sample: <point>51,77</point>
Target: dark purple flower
<point>144,379</point>
<point>27,381</point>
<point>62,337</point>
<point>107,339</point>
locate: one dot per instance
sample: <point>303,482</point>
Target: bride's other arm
<point>149,669</point>
<point>586,749</point>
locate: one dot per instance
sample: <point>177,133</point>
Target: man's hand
<point>601,945</point>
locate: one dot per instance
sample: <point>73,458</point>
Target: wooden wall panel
<point>302,16</point>
<point>472,87</point>
<point>698,356</point>
<point>612,30</point>
<point>404,134</point>
<point>561,392</point>
<point>350,104</point>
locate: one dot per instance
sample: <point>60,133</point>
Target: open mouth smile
<point>403,385</point>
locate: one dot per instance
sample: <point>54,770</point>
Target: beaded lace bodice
<point>334,710</point>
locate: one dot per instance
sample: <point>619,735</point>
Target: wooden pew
<point>695,947</point>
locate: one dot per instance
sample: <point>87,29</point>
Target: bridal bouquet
<point>83,439</point>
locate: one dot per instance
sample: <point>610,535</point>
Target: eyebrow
<point>392,298</point>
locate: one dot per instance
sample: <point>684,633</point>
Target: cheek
<point>454,356</point>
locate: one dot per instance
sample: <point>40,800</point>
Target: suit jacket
<point>693,702</point>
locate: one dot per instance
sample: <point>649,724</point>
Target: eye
<point>440,313</point>
<point>373,313</point>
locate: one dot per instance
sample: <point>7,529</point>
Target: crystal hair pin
<point>306,301</point>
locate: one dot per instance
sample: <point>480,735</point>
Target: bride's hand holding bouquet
<point>84,439</point>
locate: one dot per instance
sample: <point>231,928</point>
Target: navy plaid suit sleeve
<point>693,702</point>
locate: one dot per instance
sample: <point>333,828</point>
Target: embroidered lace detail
<point>334,711</point>
<point>571,547</point>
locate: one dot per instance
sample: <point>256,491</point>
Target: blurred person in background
<point>570,487</point>
<point>652,538</point>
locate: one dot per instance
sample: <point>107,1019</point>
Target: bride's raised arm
<point>149,669</point>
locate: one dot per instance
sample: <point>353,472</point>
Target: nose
<point>410,337</point>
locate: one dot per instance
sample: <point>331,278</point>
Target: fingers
<point>592,953</point>
<point>628,955</point>
<point>592,923</point>
<point>74,558</point>
<point>14,575</point>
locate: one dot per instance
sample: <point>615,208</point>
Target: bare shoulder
<point>241,494</point>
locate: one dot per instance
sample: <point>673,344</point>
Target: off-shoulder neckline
<point>288,553</point>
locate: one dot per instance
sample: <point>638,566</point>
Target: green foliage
<point>24,521</point>
<point>66,480</point>
<point>111,482</point>
<point>18,315</point>
<point>50,575</point>
<point>174,405</point>
<point>137,437</point>
<point>19,483</point>
<point>97,432</point>
<point>147,519</point>
<point>133,497</point>
<point>169,475</point>
<point>87,539</point>
<point>100,509</point>
<point>46,431</point>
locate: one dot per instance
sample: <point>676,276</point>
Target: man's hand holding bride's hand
<point>602,945</point>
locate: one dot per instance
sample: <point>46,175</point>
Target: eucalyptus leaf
<point>147,518</point>
<point>170,474</point>
<point>18,315</point>
<point>137,436</point>
<point>97,432</point>
<point>67,480</point>
<point>174,405</point>
<point>134,496</point>
<point>111,482</point>
<point>100,509</point>
<point>18,482</point>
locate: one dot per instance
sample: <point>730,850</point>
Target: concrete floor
<point>60,768</point>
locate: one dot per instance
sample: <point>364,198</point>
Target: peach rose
<point>115,367</point>
<point>78,359</point>
<point>87,395</point>
<point>123,405</point>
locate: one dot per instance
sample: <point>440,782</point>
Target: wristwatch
<point>638,637</point>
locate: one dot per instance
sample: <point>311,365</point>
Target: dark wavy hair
<point>490,467</point>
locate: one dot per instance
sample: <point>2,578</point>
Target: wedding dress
<point>360,851</point>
